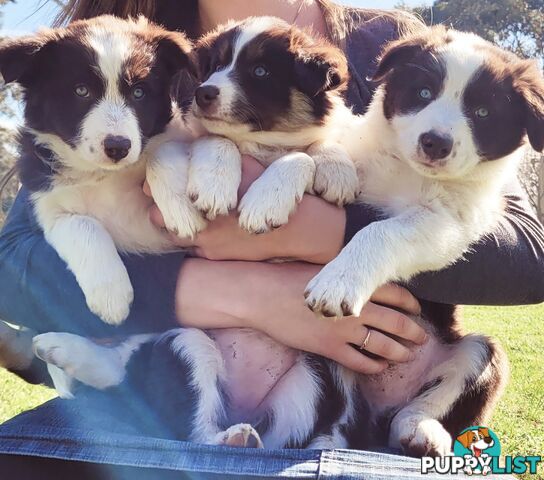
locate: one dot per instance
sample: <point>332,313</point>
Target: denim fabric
<point>106,429</point>
<point>28,436</point>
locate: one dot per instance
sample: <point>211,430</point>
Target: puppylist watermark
<point>476,451</point>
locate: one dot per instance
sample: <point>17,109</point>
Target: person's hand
<point>314,233</point>
<point>269,298</point>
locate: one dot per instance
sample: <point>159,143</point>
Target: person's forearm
<point>213,294</point>
<point>505,268</point>
<point>269,297</point>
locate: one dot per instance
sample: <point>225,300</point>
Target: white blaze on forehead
<point>463,59</point>
<point>250,30</point>
<point>112,49</point>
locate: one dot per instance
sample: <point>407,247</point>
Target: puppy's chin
<point>446,169</point>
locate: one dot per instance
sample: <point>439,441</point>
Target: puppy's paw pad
<point>212,196</point>
<point>426,438</point>
<point>333,294</point>
<point>52,348</point>
<point>258,215</point>
<point>183,220</point>
<point>336,182</point>
<point>241,435</point>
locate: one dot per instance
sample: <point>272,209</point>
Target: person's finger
<point>394,322</point>
<point>147,189</point>
<point>382,345</point>
<point>396,296</point>
<point>156,217</point>
<point>355,360</point>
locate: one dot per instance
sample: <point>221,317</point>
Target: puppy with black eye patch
<point>442,137</point>
<point>97,100</point>
<point>271,91</point>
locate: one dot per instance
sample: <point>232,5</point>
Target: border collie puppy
<point>97,93</point>
<point>433,153</point>
<point>275,91</point>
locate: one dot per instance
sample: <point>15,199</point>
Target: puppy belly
<point>399,383</point>
<point>254,363</point>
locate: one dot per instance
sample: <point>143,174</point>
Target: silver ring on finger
<point>366,340</point>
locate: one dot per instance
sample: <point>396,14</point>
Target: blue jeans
<point>84,431</point>
<point>112,435</point>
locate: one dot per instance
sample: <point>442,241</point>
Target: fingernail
<point>426,338</point>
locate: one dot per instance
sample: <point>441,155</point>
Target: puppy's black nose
<point>116,147</point>
<point>206,95</point>
<point>435,145</point>
<point>488,440</point>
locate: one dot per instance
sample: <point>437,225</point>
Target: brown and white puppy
<point>442,137</point>
<point>97,95</point>
<point>274,91</point>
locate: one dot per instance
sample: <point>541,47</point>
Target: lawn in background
<point>518,421</point>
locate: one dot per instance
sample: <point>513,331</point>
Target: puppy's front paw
<point>425,437</point>
<point>337,291</point>
<point>111,300</point>
<point>336,182</point>
<point>241,435</point>
<point>211,194</point>
<point>214,176</point>
<point>182,218</point>
<point>264,210</point>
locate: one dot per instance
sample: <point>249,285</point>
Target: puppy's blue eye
<point>425,93</point>
<point>138,93</point>
<point>81,91</point>
<point>260,72</point>
<point>482,112</point>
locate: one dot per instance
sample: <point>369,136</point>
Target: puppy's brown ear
<point>175,51</point>
<point>214,48</point>
<point>400,52</point>
<point>319,67</point>
<point>394,55</point>
<point>465,439</point>
<point>529,83</point>
<point>17,57</point>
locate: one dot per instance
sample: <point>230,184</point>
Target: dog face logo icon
<point>477,441</point>
<point>477,445</point>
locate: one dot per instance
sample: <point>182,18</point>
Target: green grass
<point>518,420</point>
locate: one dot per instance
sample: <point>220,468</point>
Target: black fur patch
<point>502,132</point>
<point>36,164</point>
<point>403,85</point>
